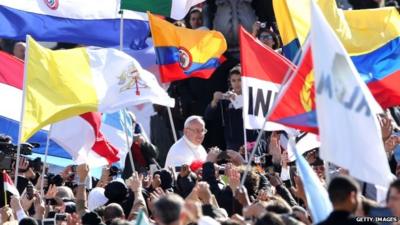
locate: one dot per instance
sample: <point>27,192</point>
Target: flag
<point>114,129</point>
<point>92,22</point>
<point>82,138</point>
<point>11,82</point>
<point>371,37</point>
<point>66,83</point>
<point>263,71</point>
<point>346,111</point>
<point>176,9</point>
<point>142,219</point>
<point>317,197</point>
<point>183,53</point>
<point>295,107</point>
<point>9,185</point>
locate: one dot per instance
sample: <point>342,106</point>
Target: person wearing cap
<point>188,148</point>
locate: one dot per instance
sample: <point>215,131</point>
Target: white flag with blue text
<point>346,110</point>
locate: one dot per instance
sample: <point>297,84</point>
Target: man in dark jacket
<point>344,194</point>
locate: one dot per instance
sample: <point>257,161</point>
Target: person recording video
<point>227,108</point>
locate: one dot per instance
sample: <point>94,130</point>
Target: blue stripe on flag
<point>11,127</point>
<point>116,120</point>
<point>16,24</point>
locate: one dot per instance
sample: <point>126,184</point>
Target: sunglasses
<point>266,36</point>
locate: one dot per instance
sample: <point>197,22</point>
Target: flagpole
<point>128,144</point>
<point>5,191</point>
<point>286,79</point>
<point>22,115</point>
<point>46,151</point>
<point>121,31</point>
<point>246,154</point>
<point>172,124</point>
<point>121,48</point>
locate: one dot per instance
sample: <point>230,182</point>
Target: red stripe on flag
<point>11,70</point>
<point>101,146</point>
<point>261,62</point>
<point>173,72</point>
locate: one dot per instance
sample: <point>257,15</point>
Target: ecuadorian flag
<point>371,37</point>
<point>183,53</point>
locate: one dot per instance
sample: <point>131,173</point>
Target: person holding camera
<point>227,108</point>
<point>266,36</point>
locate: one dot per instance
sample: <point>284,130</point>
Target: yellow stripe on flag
<point>202,44</point>
<point>58,85</point>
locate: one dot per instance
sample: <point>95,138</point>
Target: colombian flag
<point>183,53</point>
<point>371,37</point>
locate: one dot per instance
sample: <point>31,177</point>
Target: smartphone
<point>60,217</point>
<point>29,191</point>
<point>51,201</point>
<point>178,168</point>
<point>49,221</point>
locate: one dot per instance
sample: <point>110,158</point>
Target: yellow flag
<point>58,85</point>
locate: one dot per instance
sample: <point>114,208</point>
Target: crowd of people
<point>197,179</point>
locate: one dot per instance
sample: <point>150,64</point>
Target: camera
<point>263,25</point>
<point>114,171</point>
<point>8,152</point>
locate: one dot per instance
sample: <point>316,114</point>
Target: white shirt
<point>184,152</point>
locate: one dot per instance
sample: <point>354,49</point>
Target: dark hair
<point>340,188</point>
<point>251,182</point>
<point>270,219</point>
<point>396,185</point>
<point>28,221</point>
<point>113,211</point>
<point>91,218</point>
<point>119,222</point>
<point>168,208</point>
<point>274,37</point>
<point>187,18</point>
<point>278,205</point>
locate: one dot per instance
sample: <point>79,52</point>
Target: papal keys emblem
<point>185,58</point>
<point>52,4</point>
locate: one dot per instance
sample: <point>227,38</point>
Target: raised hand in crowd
<point>192,212</point>
<point>233,178</point>
<point>27,201</point>
<point>185,171</point>
<point>212,155</point>
<point>16,207</point>
<point>39,207</point>
<point>242,196</point>
<point>105,177</point>
<point>255,28</point>
<point>216,98</point>
<point>51,192</point>
<point>391,143</point>
<point>147,180</point>
<point>82,171</point>
<point>135,182</point>
<point>298,191</point>
<point>254,210</point>
<point>204,193</point>
<point>274,148</point>
<point>386,126</point>
<point>6,214</point>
